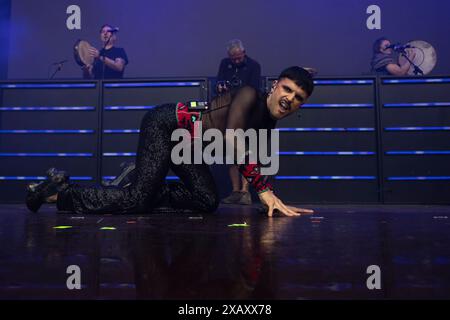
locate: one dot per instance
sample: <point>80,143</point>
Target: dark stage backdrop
<point>5,11</point>
<point>188,37</point>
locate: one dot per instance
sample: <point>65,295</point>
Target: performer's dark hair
<point>300,76</point>
<point>377,44</point>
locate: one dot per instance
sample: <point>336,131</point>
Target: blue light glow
<point>432,152</point>
<point>115,108</point>
<point>47,85</point>
<point>119,154</point>
<point>151,84</point>
<point>324,129</point>
<point>167,178</point>
<point>339,105</point>
<point>34,178</point>
<point>24,154</point>
<point>342,82</point>
<point>417,129</point>
<point>121,131</point>
<point>47,108</point>
<point>416,105</point>
<point>411,81</point>
<point>418,178</point>
<point>45,131</point>
<point>326,153</point>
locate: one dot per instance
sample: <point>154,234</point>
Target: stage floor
<point>192,256</point>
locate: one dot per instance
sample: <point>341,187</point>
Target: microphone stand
<point>104,49</point>
<point>60,65</point>
<point>417,70</point>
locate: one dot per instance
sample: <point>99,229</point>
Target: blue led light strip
<point>119,154</point>
<point>121,131</point>
<point>417,105</point>
<point>151,84</point>
<point>115,108</point>
<point>324,129</point>
<point>409,81</point>
<point>47,108</point>
<point>432,152</point>
<point>172,178</point>
<point>338,105</point>
<point>24,154</point>
<point>34,178</point>
<point>418,178</point>
<point>279,129</point>
<point>417,129</point>
<point>167,178</point>
<point>45,131</point>
<point>47,85</point>
<point>325,178</point>
<point>342,82</point>
<point>326,153</point>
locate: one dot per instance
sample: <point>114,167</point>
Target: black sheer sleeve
<point>240,111</point>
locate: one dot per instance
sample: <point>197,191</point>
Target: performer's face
<point>384,45</point>
<point>237,56</point>
<point>285,98</point>
<point>105,34</point>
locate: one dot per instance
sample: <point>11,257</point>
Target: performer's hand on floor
<point>272,203</point>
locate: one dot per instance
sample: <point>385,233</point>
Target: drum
<point>425,58</point>
<point>81,53</point>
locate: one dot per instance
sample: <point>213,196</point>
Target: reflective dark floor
<point>186,256</point>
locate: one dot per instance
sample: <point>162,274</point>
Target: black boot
<point>37,193</point>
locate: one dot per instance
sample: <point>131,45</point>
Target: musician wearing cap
<point>110,61</point>
<point>386,58</point>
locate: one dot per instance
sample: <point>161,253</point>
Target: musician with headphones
<point>110,61</point>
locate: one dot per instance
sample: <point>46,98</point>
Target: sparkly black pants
<point>197,190</point>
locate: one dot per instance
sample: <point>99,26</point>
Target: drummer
<point>110,61</point>
<point>385,61</point>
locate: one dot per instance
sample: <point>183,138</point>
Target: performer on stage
<point>385,60</point>
<point>110,61</point>
<point>236,71</point>
<point>246,109</point>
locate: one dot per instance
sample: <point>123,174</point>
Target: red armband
<point>252,174</point>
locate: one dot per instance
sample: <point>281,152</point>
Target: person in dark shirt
<point>245,109</point>
<point>385,60</point>
<point>110,61</point>
<point>236,71</point>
